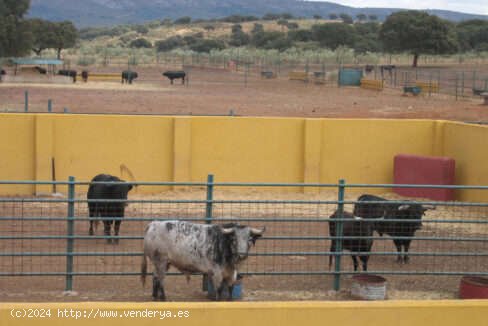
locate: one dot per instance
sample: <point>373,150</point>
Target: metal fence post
<point>26,101</point>
<point>49,105</point>
<point>339,235</point>
<point>208,207</point>
<point>69,233</point>
<point>208,217</point>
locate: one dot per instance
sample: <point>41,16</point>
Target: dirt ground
<point>297,255</point>
<point>216,92</point>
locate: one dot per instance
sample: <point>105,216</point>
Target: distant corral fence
<point>456,82</point>
<point>47,239</point>
<point>460,82</point>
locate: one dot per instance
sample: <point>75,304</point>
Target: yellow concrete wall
<point>17,151</point>
<point>87,145</point>
<point>247,149</point>
<point>362,151</point>
<point>234,149</point>
<point>467,144</point>
<point>398,313</point>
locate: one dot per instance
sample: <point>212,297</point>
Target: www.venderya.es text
<point>98,313</point>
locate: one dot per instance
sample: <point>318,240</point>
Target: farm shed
<point>28,70</point>
<point>33,62</point>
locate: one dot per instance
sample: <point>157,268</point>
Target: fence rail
<point>46,237</point>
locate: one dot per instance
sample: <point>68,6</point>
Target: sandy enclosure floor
<point>295,220</point>
<point>216,92</point>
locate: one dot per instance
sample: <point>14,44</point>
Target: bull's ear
<point>403,207</point>
<point>129,186</point>
<point>228,230</point>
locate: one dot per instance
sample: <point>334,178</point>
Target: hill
<point>85,13</point>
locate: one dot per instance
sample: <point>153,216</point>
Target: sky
<point>466,6</point>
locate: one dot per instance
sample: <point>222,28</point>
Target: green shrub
<point>140,43</point>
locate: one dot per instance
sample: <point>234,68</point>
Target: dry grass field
<point>216,92</point>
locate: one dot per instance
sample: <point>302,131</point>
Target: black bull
<point>175,75</point>
<point>128,76</point>
<point>107,197</point>
<point>69,73</point>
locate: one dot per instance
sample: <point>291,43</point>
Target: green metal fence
<point>46,239</point>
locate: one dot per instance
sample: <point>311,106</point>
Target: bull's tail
<point>332,256</point>
<point>143,270</point>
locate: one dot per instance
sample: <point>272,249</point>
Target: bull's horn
<point>124,168</point>
<point>429,206</point>
<point>228,230</point>
<point>403,207</point>
<point>255,231</point>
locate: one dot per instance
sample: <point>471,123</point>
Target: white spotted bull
<point>196,248</point>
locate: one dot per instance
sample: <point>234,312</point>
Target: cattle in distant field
<point>69,73</point>
<point>359,238</point>
<point>107,198</point>
<point>41,70</point>
<point>129,76</point>
<point>400,220</point>
<point>214,250</point>
<point>388,68</point>
<point>368,68</point>
<point>176,74</point>
<point>84,75</point>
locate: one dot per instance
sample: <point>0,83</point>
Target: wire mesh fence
<point>456,82</point>
<point>45,242</point>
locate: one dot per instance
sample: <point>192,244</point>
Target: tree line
<point>413,32</point>
<point>20,36</point>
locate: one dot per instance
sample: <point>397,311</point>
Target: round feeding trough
<point>368,287</point>
<point>473,287</point>
<point>236,291</point>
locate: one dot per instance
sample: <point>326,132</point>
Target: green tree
<point>65,36</point>
<point>258,28</point>
<point>367,39</point>
<point>185,20</point>
<point>169,44</point>
<point>206,45</point>
<point>15,38</point>
<point>346,19</point>
<point>286,16</point>
<point>209,28</point>
<point>334,35</point>
<point>333,16</point>
<point>373,17</point>
<point>473,34</point>
<point>300,35</point>
<point>140,43</point>
<point>418,33</point>
<point>283,23</point>
<point>271,16</point>
<point>292,26</point>
<point>238,37</point>
<point>271,40</point>
<point>43,35</point>
<point>361,17</point>
<point>141,29</point>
